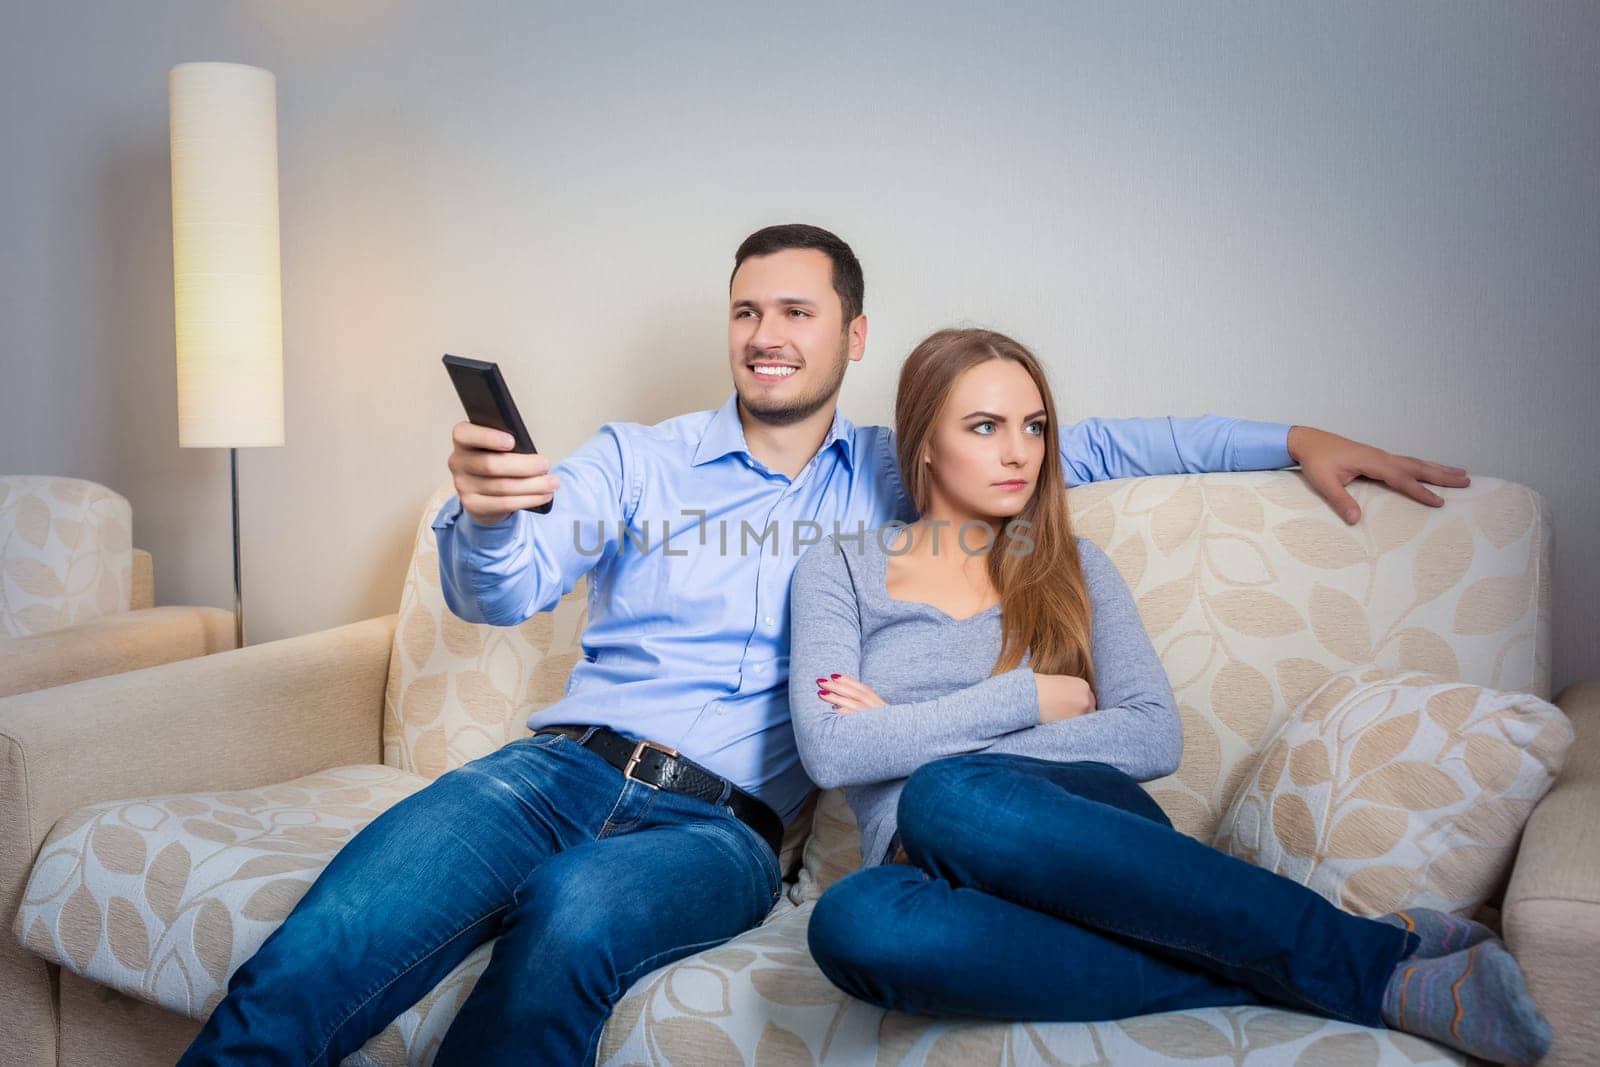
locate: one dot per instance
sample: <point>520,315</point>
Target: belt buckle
<point>638,753</point>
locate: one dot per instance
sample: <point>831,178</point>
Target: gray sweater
<point>934,673</point>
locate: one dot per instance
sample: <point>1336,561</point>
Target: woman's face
<point>987,446</point>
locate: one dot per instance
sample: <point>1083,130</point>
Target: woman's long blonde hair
<point>1044,602</point>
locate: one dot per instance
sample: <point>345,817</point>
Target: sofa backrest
<point>66,553</point>
<point>1252,592</point>
<point>459,690</point>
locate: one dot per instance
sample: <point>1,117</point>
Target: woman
<point>990,701</point>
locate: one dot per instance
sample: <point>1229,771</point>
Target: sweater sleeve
<point>1135,725</point>
<point>878,744</point>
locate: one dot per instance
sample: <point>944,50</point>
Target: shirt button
<point>769,620</point>
<point>759,667</point>
<point>721,710</point>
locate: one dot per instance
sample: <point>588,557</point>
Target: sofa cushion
<point>760,999</point>
<point>1254,594</point>
<point>832,849</point>
<point>1384,791</point>
<point>164,897</point>
<point>68,553</point>
<point>459,690</point>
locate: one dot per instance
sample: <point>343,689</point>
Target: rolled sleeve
<point>1259,446</point>
<point>1101,449</point>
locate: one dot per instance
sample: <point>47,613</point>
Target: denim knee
<point>575,912</point>
<point>855,927</point>
<point>936,803</point>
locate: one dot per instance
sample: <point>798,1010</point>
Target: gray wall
<point>1380,219</point>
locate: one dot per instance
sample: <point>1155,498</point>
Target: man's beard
<point>797,409</point>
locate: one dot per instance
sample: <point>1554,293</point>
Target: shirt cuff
<point>1260,446</point>
<point>475,534</point>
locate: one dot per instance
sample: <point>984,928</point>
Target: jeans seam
<point>621,793</point>
<point>633,823</point>
<point>407,969</point>
<point>765,850</point>
<point>637,971</point>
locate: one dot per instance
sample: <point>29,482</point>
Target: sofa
<point>158,824</point>
<point>77,600</point>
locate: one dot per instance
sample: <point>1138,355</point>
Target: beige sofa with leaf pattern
<point>77,600</point>
<point>158,824</point>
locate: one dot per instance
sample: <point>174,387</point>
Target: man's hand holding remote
<point>494,482</point>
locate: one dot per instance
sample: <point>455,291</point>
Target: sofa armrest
<point>246,717</point>
<point>142,589</point>
<point>1551,914</point>
<point>112,644</point>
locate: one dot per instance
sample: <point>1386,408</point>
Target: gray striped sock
<point>1473,1000</point>
<point>1441,932</point>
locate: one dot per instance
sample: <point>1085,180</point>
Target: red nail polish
<point>834,676</point>
<point>822,692</point>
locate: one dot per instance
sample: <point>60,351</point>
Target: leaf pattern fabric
<point>1386,791</point>
<point>1256,599</point>
<point>66,553</point>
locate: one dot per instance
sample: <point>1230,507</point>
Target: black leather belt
<point>661,767</point>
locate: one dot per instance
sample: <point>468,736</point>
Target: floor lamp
<point>229,317</point>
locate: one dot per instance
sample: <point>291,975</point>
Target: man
<point>641,821</point>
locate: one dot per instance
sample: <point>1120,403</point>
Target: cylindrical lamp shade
<point>224,119</point>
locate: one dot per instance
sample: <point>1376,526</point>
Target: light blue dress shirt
<point>689,543</point>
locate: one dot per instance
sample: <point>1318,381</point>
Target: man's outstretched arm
<point>1098,449</point>
<point>507,571</point>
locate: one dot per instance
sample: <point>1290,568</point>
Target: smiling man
<point>641,821</point>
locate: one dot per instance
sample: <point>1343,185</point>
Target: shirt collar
<point>724,435</point>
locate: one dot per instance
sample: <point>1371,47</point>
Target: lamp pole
<point>238,588</point>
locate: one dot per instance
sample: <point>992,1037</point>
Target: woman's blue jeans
<point>1041,890</point>
<point>586,880</point>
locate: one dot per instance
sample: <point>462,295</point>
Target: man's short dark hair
<point>847,280</point>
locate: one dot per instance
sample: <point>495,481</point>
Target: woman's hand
<point>847,694</point>
<point>1063,696</point>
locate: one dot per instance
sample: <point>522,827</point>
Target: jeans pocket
<point>768,861</point>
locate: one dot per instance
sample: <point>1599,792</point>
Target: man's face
<point>787,343</point>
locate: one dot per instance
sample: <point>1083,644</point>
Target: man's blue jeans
<point>587,880</point>
<point>1041,890</point>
